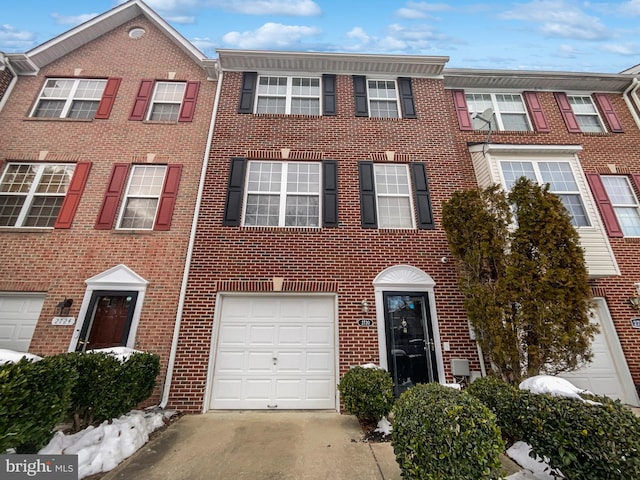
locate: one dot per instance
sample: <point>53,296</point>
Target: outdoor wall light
<point>365,306</point>
<point>634,302</point>
<point>63,307</point>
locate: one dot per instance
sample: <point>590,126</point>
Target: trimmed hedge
<point>367,393</point>
<point>90,387</point>
<point>34,398</point>
<point>442,433</point>
<point>583,441</point>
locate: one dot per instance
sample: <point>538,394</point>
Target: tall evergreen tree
<point>525,284</point>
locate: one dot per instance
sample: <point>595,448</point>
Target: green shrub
<point>583,441</point>
<point>34,398</point>
<point>442,433</point>
<point>367,393</point>
<point>503,399</point>
<point>107,388</point>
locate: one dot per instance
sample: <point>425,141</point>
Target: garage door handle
<point>272,406</point>
<point>275,360</point>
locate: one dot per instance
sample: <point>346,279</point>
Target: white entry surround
<point>118,278</point>
<point>273,352</point>
<point>406,278</point>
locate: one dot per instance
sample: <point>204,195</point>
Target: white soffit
<point>521,80</point>
<point>339,63</point>
<point>498,148</point>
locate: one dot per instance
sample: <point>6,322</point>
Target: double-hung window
<point>166,101</point>
<point>624,203</point>
<point>141,197</point>
<point>561,180</point>
<point>288,95</point>
<point>283,194</point>
<point>509,112</point>
<point>383,98</point>
<point>586,113</point>
<point>69,98</point>
<point>393,196</point>
<point>31,194</point>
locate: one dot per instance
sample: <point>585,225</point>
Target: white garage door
<point>18,317</point>
<point>608,373</point>
<point>275,353</point>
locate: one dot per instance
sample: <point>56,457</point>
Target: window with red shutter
<point>142,100</point>
<point>108,99</point>
<point>462,110</point>
<point>189,102</point>
<point>112,197</point>
<point>73,196</point>
<point>535,110</point>
<point>168,198</point>
<point>606,108</point>
<point>604,205</point>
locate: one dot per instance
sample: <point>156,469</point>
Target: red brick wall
<point>349,256</point>
<point>5,80</point>
<point>59,261</point>
<point>599,152</point>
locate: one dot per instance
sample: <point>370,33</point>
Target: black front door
<point>411,352</point>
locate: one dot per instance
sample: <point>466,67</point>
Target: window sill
<point>57,119</point>
<point>26,229</point>
<point>287,115</point>
<point>160,122</point>
<point>249,228</point>
<point>132,231</point>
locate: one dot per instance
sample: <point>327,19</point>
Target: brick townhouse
<point>103,135</point>
<point>579,133</point>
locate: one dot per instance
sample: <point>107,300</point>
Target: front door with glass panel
<point>411,353</point>
<point>108,320</point>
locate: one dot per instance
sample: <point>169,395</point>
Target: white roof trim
<point>497,149</point>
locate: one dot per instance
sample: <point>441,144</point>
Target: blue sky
<point>565,35</point>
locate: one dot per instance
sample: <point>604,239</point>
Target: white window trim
<point>288,96</point>
<point>69,99</point>
<point>536,168</point>
<point>496,108</point>
<point>383,99</point>
<point>283,193</point>
<point>411,195</point>
<point>636,205</point>
<point>595,107</point>
<point>154,102</point>
<point>126,197</point>
<point>31,194</point>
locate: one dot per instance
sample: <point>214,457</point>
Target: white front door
<point>608,373</point>
<point>275,352</point>
<point>19,314</point>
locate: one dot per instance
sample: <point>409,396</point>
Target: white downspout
<point>12,83</point>
<point>633,88</point>
<point>187,266</point>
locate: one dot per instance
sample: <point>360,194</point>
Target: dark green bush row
<point>34,397</point>
<point>367,393</point>
<point>583,441</point>
<point>88,387</point>
<point>442,433</point>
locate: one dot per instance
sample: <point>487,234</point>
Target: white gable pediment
<point>401,277</point>
<point>119,276</point>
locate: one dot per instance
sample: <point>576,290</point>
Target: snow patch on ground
<point>384,427</point>
<point>102,448</point>
<point>121,353</point>
<point>10,356</point>
<point>535,467</point>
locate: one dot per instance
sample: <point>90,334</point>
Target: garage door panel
<point>18,318</point>
<point>320,336</point>
<point>297,331</point>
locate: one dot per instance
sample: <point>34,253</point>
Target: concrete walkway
<point>261,446</point>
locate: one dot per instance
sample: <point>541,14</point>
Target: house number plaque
<point>635,322</point>
<point>63,320</point>
<point>367,322</point>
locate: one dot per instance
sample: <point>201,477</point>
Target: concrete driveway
<point>260,446</point>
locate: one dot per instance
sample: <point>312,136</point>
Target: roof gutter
<point>187,266</point>
<point>635,106</point>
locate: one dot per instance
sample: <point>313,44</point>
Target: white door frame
<point>119,277</point>
<point>215,332</point>
<point>406,278</point>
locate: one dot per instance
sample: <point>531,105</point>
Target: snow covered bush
<point>367,393</point>
<point>583,440</point>
<point>34,398</point>
<point>443,433</point>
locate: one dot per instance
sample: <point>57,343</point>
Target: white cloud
<point>72,19</point>
<point>270,36</point>
<point>621,49</point>
<point>631,7</point>
<point>559,18</point>
<point>204,44</point>
<point>419,10</point>
<point>15,40</point>
<point>294,8</point>
<point>566,51</point>
<point>181,19</point>
<point>418,40</point>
